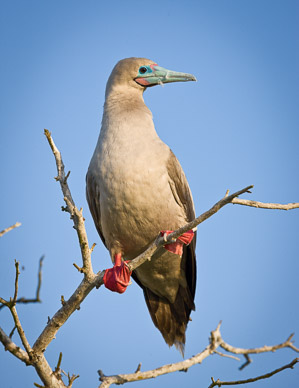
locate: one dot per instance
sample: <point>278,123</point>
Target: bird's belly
<point>133,221</point>
<point>135,206</point>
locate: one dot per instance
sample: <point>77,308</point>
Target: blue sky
<point>238,125</point>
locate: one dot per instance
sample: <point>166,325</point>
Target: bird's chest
<point>135,194</point>
<point>131,179</point>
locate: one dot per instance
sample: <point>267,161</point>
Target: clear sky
<point>238,125</point>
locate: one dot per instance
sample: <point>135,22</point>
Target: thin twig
<point>16,283</point>
<point>12,332</point>
<point>57,368</point>
<point>262,205</point>
<point>71,379</point>
<point>226,355</point>
<point>13,348</point>
<point>286,344</point>
<point>39,276</point>
<point>37,299</point>
<point>20,330</point>
<point>16,225</point>
<point>248,361</point>
<point>253,379</point>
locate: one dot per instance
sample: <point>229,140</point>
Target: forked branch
<point>216,341</point>
<point>23,300</point>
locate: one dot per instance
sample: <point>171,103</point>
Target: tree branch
<point>16,225</point>
<point>37,295</point>
<point>76,215</point>
<point>163,240</point>
<point>29,357</point>
<point>253,379</point>
<point>216,341</point>
<point>287,344</point>
<point>262,205</point>
<point>13,348</point>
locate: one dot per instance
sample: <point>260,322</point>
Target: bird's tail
<point>171,318</point>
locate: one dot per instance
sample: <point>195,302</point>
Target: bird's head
<point>140,73</point>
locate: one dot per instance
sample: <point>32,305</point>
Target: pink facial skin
<point>142,81</point>
<point>153,65</point>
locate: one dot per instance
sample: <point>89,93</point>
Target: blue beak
<point>159,75</point>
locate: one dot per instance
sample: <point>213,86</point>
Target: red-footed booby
<point>137,188</point>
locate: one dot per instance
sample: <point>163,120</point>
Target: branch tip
<point>92,247</point>
<point>246,363</point>
<point>58,363</point>
<point>38,386</point>
<point>79,269</point>
<point>66,177</point>
<point>16,225</point>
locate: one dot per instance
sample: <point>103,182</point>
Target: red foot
<point>177,246</point>
<point>117,278</point>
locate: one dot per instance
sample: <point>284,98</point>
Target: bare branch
<point>13,348</point>
<point>16,282</point>
<point>29,357</point>
<point>16,225</point>
<point>20,330</point>
<point>227,355</point>
<point>216,341</point>
<point>76,214</point>
<point>23,300</point>
<point>262,205</point>
<point>61,316</point>
<point>286,344</point>
<point>253,379</point>
<point>12,332</point>
<point>71,379</point>
<point>39,276</point>
<point>248,361</point>
<point>11,305</point>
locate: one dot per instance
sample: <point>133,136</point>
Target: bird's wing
<point>172,318</point>
<point>179,186</point>
<point>182,194</point>
<point>93,199</point>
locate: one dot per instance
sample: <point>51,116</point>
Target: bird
<point>136,188</point>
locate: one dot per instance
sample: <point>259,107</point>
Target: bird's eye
<point>142,70</point>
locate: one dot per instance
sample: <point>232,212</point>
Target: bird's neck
<point>124,99</point>
<point>125,114</point>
